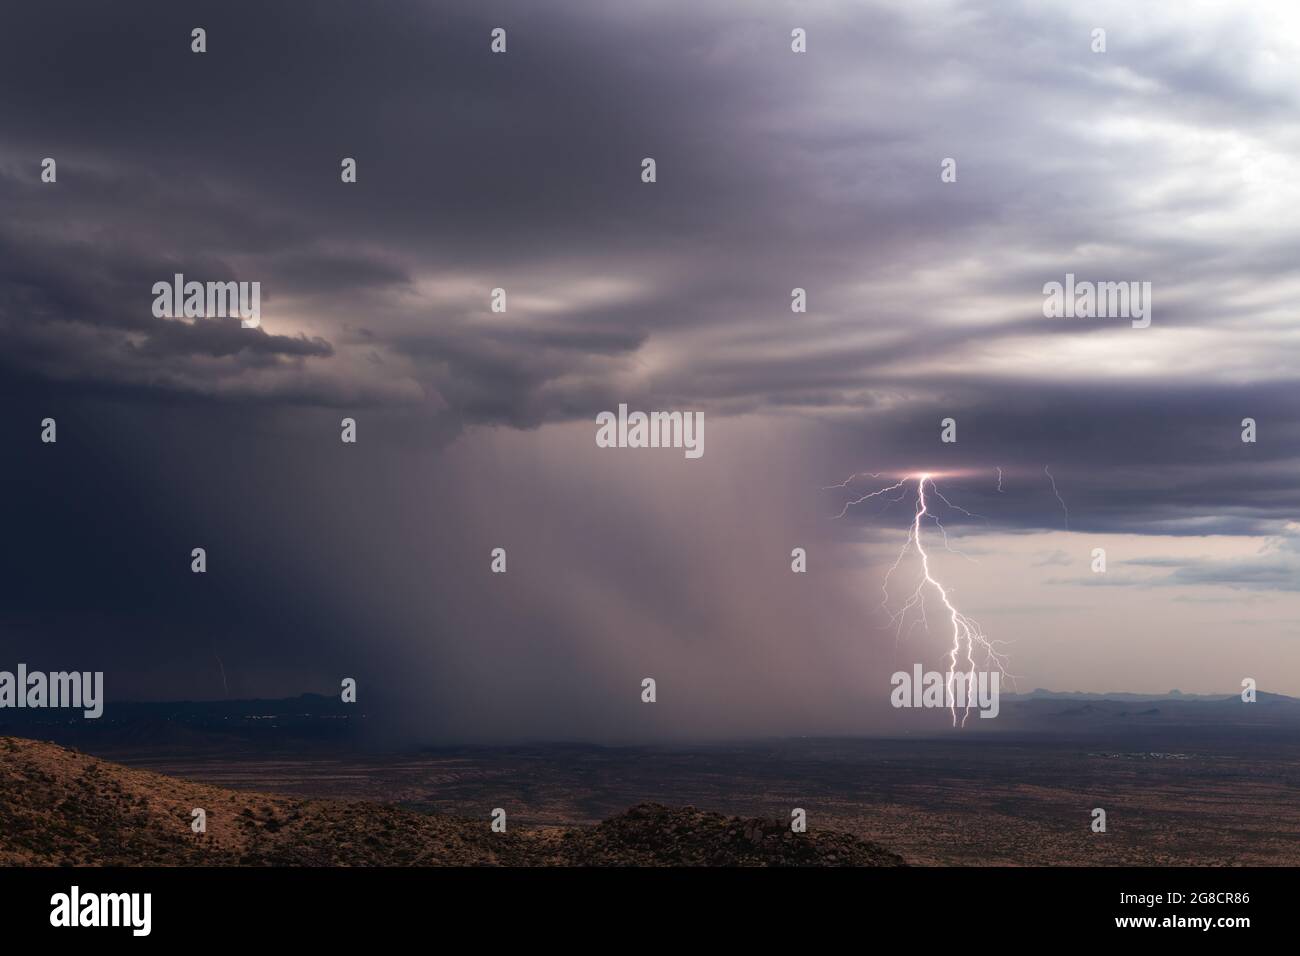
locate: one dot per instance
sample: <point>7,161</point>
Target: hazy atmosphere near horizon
<point>1169,159</point>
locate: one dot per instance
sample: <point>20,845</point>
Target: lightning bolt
<point>999,480</point>
<point>1048,472</point>
<point>858,501</point>
<point>223,674</point>
<point>968,638</point>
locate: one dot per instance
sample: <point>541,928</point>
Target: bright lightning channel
<point>968,638</point>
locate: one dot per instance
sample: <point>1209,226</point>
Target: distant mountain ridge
<point>1040,693</point>
<point>305,719</point>
<point>287,708</point>
<point>320,722</point>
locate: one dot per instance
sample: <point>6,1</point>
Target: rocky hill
<point>61,807</point>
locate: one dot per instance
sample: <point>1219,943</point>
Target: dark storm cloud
<point>224,337</point>
<point>1166,160</point>
<point>776,170</point>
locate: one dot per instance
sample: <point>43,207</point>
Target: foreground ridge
<point>59,807</point>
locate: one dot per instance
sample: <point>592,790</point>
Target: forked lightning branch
<point>969,646</point>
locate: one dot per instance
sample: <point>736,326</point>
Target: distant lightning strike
<point>224,684</point>
<point>1048,472</point>
<point>967,635</point>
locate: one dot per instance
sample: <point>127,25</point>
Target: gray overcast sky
<point>1170,158</point>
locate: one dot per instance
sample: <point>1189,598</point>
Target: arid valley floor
<point>989,802</point>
